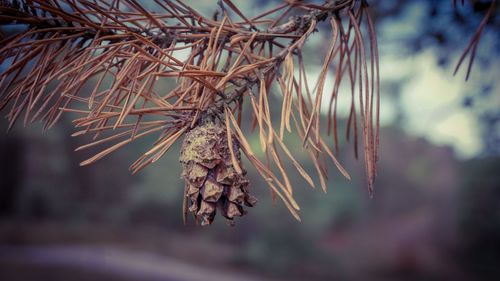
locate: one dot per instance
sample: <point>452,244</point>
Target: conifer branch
<point>108,61</point>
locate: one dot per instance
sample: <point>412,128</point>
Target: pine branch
<point>123,51</point>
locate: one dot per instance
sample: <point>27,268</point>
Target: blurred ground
<point>88,261</point>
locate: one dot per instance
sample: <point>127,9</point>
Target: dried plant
<point>124,51</point>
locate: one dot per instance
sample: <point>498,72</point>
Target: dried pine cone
<point>211,180</point>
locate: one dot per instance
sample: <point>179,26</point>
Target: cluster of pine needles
<point>108,60</point>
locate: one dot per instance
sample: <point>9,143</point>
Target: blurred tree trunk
<point>11,153</point>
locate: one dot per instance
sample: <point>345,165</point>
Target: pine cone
<point>211,180</point>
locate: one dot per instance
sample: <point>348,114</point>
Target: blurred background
<point>435,214</point>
